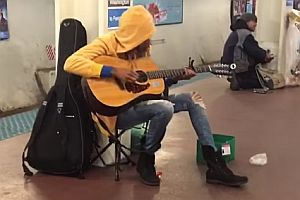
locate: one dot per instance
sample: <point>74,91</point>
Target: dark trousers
<point>248,80</point>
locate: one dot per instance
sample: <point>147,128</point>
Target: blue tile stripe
<point>17,124</point>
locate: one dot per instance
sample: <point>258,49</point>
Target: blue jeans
<point>198,116</point>
<point>159,113</point>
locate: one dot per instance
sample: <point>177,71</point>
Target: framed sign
<point>118,3</point>
<point>4,34</point>
<point>114,15</point>
<point>163,11</point>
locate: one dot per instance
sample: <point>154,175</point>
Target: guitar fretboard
<point>171,73</point>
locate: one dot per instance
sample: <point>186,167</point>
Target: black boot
<point>218,172</point>
<point>146,169</point>
<point>234,84</point>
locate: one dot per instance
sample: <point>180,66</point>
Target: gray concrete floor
<point>261,123</point>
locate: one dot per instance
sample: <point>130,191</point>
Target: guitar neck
<point>172,73</point>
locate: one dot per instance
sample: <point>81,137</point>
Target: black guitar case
<point>63,133</point>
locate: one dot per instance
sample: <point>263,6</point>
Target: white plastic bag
<point>259,159</point>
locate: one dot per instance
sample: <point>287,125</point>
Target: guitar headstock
<point>221,69</point>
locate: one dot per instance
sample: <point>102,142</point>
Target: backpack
<point>63,133</point>
<point>269,78</point>
<point>240,58</point>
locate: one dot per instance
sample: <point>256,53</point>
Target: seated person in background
<point>256,55</point>
<point>132,41</point>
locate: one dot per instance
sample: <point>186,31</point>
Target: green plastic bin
<point>137,133</point>
<point>224,141</point>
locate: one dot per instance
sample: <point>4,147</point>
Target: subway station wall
<point>31,27</point>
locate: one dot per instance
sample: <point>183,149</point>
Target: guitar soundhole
<point>142,77</point>
<point>140,85</point>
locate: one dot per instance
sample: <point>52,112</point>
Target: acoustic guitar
<point>114,95</point>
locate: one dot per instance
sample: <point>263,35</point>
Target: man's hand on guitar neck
<point>188,74</point>
<point>125,75</point>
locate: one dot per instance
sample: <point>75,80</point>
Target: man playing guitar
<point>110,65</point>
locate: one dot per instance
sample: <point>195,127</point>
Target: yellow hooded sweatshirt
<point>294,15</point>
<point>135,26</point>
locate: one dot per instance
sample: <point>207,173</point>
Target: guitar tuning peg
<point>233,66</point>
<point>192,63</point>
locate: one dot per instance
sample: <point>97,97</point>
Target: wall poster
<point>239,7</point>
<point>163,11</point>
<point>4,34</point>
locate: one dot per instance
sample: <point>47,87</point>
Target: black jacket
<point>256,54</point>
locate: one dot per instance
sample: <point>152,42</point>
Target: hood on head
<point>240,21</point>
<point>239,24</point>
<point>247,17</point>
<point>135,26</point>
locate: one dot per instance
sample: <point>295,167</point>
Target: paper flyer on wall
<point>4,34</point>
